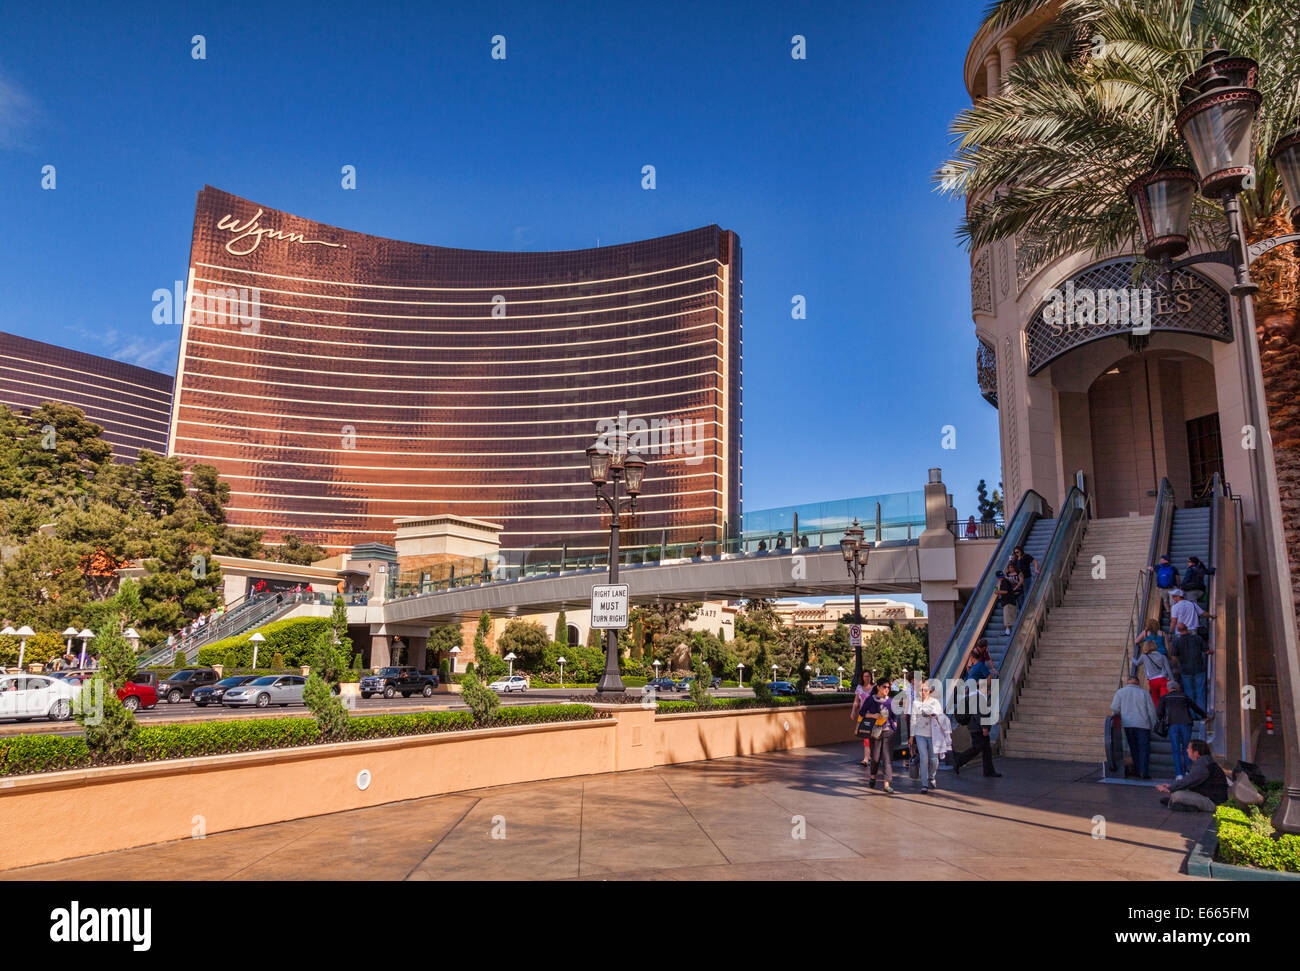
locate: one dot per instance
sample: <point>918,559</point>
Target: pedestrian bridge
<point>893,567</point>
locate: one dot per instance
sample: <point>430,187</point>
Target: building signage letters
<point>248,236</point>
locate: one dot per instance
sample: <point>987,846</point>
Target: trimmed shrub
<point>178,659</point>
<point>293,638</point>
<point>277,660</point>
<point>1247,837</point>
<point>482,702</point>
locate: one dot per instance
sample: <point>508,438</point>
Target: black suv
<point>404,680</point>
<point>182,683</point>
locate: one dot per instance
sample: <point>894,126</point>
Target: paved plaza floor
<point>798,815</point>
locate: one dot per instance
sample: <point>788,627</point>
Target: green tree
<point>481,701</point>
<point>561,628</point>
<point>108,726</point>
<point>1050,159</point>
<point>987,508</point>
<point>527,640</point>
<point>293,549</point>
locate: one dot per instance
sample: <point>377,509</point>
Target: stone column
<point>1007,56</point>
<point>417,652</point>
<point>380,650</point>
<point>992,75</point>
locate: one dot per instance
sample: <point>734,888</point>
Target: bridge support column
<point>937,563</point>
<point>380,650</point>
<point>417,652</point>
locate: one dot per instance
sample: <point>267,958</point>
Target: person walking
<point>1156,667</point>
<point>1193,656</point>
<point>931,735</point>
<point>981,745</point>
<point>884,726</point>
<point>1176,711</point>
<point>1137,717</point>
<point>860,694</point>
<point>1203,787</point>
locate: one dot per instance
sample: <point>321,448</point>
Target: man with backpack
<point>1166,577</point>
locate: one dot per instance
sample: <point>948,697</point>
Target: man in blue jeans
<point>1193,662</point>
<point>1137,715</point>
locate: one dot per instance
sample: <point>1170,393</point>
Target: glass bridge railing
<point>755,543</point>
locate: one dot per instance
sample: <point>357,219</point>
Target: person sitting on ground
<point>1194,579</point>
<point>1177,710</point>
<point>1183,611</point>
<point>1156,667</point>
<point>1166,577</point>
<point>1203,787</point>
<point>1137,716</point>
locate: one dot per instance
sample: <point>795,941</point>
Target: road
<point>188,713</point>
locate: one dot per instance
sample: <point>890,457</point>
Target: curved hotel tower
<point>341,381</point>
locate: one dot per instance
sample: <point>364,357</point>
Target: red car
<point>132,695</point>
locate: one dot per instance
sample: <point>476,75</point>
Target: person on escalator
<point>1156,667</point>
<point>1008,599</point>
<point>981,668</point>
<point>1026,566</point>
<point>1193,662</point>
<point>1166,577</point>
<point>1176,711</point>
<point>1194,579</point>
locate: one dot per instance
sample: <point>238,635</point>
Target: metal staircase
<point>243,615</point>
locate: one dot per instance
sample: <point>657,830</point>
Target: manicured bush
<point>178,659</point>
<point>293,638</point>
<point>24,754</point>
<point>277,660</point>
<point>481,701</point>
<point>1247,837</point>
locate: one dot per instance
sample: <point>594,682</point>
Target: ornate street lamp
<point>1218,124</point>
<point>856,552</point>
<point>611,460</point>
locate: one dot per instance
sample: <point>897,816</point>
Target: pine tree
<point>561,629</point>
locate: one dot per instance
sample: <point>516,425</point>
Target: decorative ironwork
<point>986,371</point>
<point>1083,308</point>
<point>981,285</point>
<point>1004,267</point>
<point>1026,270</point>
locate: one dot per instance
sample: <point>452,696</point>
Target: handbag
<point>863,728</point>
<point>1162,726</point>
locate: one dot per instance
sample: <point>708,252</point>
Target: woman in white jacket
<point>931,735</point>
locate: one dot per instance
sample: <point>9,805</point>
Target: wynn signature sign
<point>249,235</point>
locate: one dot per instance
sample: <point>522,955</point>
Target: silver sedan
<point>273,689</point>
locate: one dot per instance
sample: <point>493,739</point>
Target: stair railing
<point>970,625</point>
<point>1141,611</point>
<point>1046,592</point>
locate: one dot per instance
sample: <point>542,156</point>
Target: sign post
<point>609,606</point>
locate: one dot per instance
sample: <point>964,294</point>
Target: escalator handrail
<point>1046,592</point>
<point>1161,526</point>
<point>970,625</point>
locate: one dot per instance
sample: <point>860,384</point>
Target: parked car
<point>272,689</point>
<point>659,684</point>
<point>781,688</point>
<point>513,682</point>
<point>28,696</point>
<point>394,680</point>
<point>146,677</point>
<point>134,695</point>
<point>825,681</point>
<point>211,694</point>
<point>181,684</point>
<point>685,684</point>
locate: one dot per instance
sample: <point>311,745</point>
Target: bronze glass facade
<point>132,404</point>
<point>340,381</point>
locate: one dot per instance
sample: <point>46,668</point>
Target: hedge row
<point>25,754</point>
<point>291,638</point>
<point>1247,838</point>
<point>679,707</point>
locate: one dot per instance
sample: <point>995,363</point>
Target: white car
<point>26,696</point>
<point>515,682</point>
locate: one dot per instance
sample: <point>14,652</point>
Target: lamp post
<point>740,668</point>
<point>657,670</point>
<point>510,660</point>
<point>132,638</point>
<point>86,636</point>
<point>561,662</point>
<point>611,462</point>
<point>454,652</point>
<point>773,672</point>
<point>24,632</point>
<point>840,671</point>
<point>69,634</point>
<point>856,550</point>
<point>1218,125</point>
<point>257,640</point>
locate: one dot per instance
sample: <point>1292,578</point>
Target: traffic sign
<point>609,606</point>
<point>855,635</point>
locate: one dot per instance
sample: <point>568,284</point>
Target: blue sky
<point>821,165</point>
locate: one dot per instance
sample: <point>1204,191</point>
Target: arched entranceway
<point>1152,415</point>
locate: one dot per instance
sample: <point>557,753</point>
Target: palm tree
<point>1089,107</point>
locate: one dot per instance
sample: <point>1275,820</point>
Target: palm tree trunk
<point>1277,309</point>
